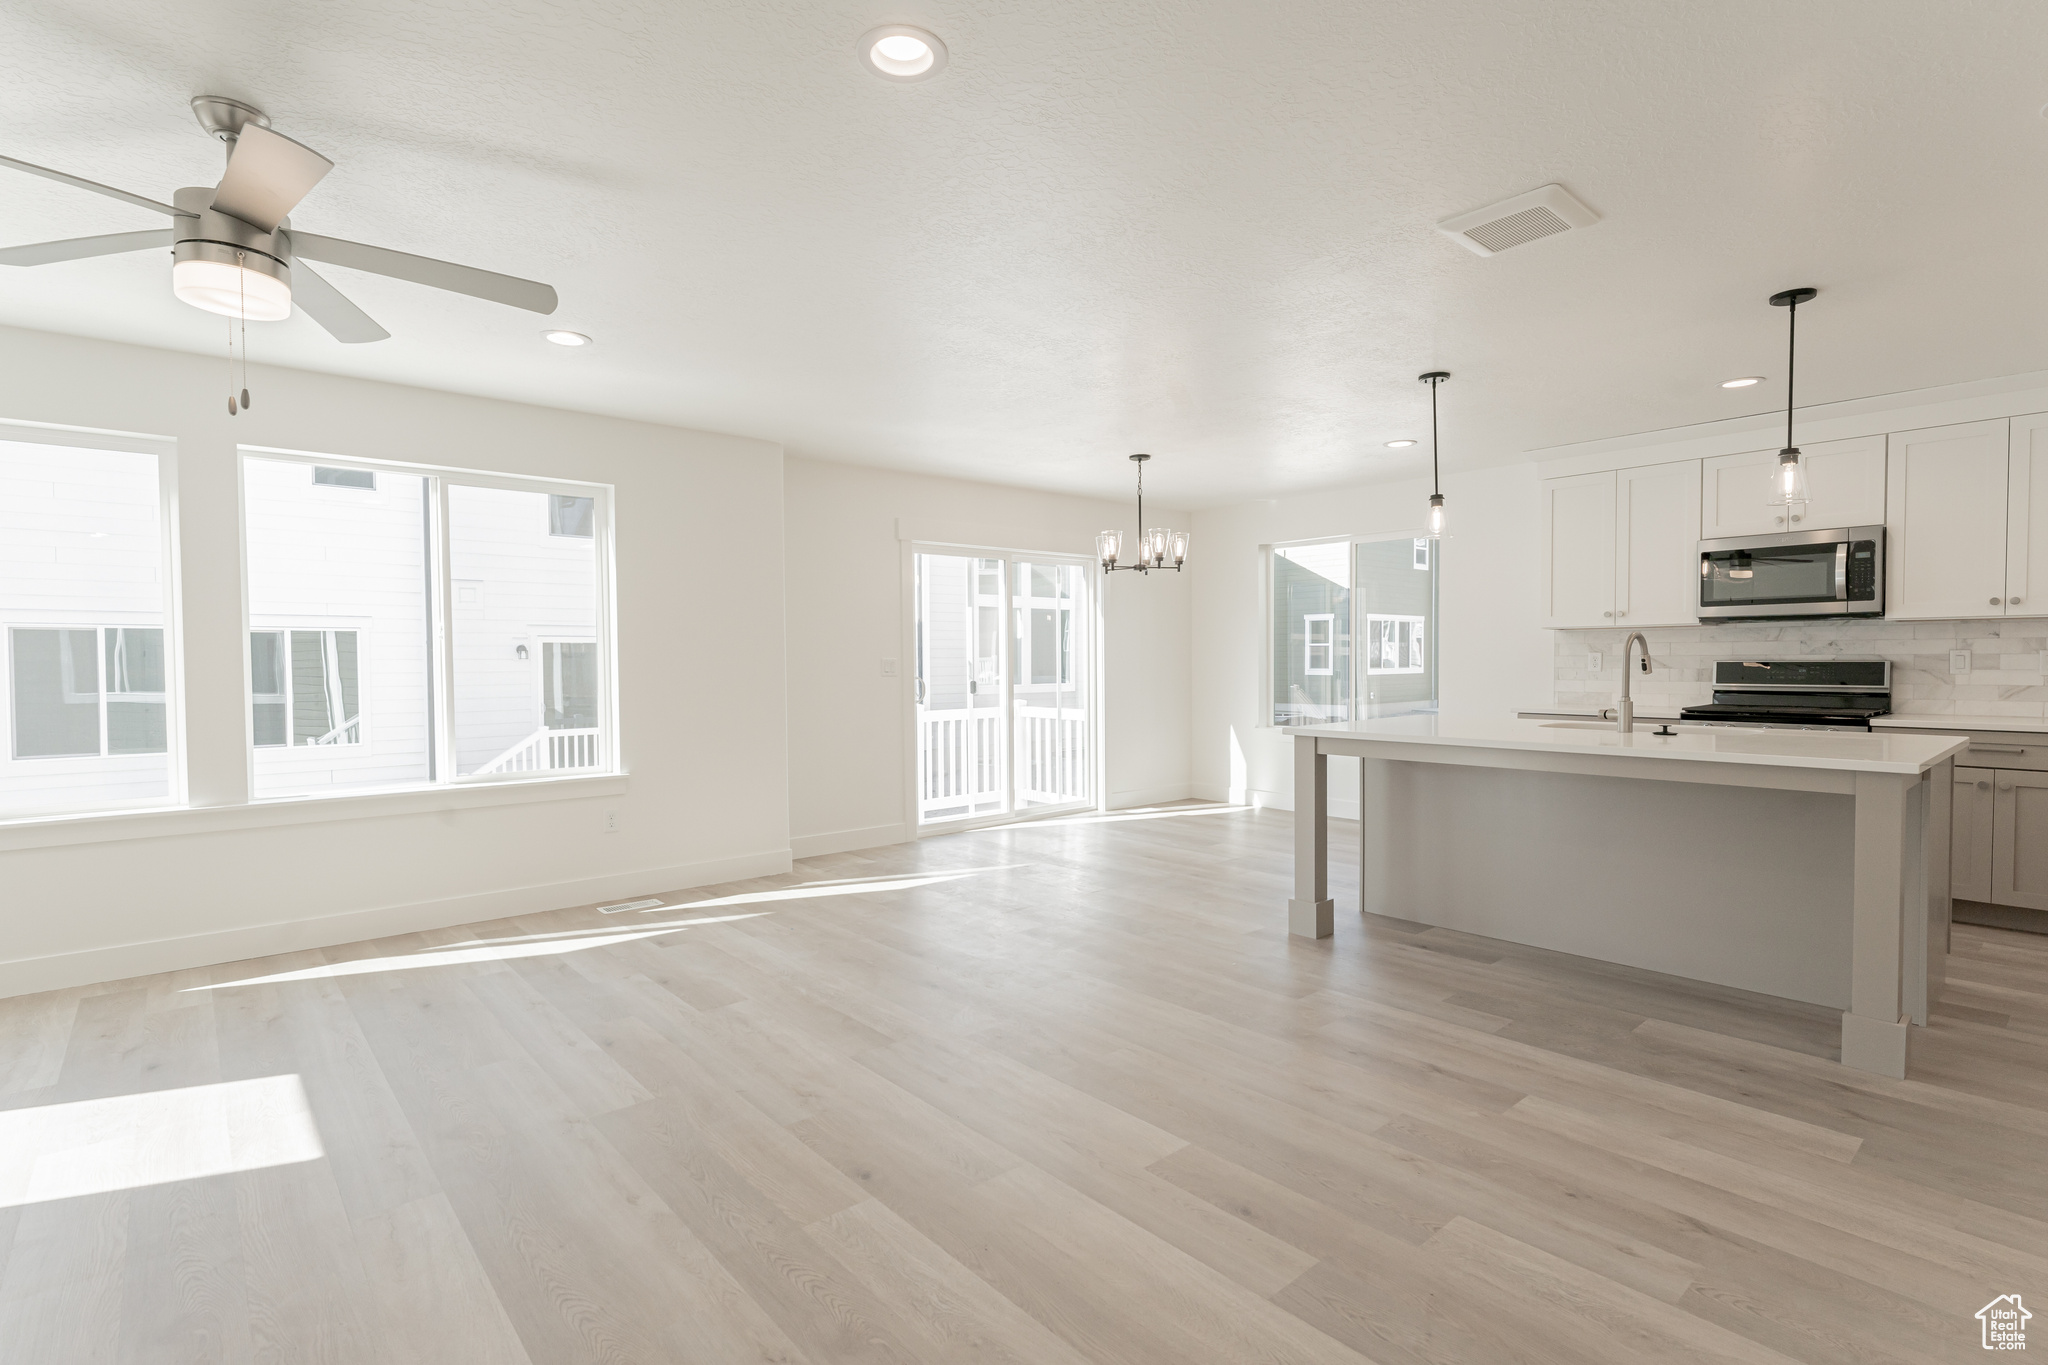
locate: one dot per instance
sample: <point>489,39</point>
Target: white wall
<point>847,599</point>
<point>699,525</point>
<point>1493,656</point>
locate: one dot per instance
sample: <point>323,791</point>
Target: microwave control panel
<point>1863,571</point>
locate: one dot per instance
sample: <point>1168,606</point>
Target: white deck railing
<point>960,758</point>
<point>546,751</point>
<point>348,732</point>
<point>1052,757</point>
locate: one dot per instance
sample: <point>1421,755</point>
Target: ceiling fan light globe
<point>232,290</point>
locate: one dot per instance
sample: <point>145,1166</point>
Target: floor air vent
<point>629,905</point>
<point>1525,218</point>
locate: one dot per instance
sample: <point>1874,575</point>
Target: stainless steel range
<point>1797,694</point>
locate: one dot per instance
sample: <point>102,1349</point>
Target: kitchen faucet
<point>1625,712</point>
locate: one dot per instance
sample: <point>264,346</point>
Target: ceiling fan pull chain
<point>231,367</point>
<point>241,283</point>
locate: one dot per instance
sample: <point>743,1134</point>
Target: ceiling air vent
<point>1539,213</point>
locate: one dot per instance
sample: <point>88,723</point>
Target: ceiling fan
<point>234,251</point>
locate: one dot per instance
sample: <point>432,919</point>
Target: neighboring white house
<point>341,650</point>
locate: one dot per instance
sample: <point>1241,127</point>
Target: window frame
<point>1309,644</point>
<point>440,604</point>
<point>103,696</point>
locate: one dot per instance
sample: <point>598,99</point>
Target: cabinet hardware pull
<point>1983,786</point>
<point>1998,748</point>
<point>2012,601</point>
<point>1607,613</point>
<point>1994,601</point>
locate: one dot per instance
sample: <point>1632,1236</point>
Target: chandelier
<point>1159,547</point>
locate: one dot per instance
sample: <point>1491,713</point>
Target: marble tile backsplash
<point>2004,679</point>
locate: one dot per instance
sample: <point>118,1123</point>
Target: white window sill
<point>50,831</point>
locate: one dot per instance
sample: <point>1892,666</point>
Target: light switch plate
<point>1959,661</point>
<point>1592,663</point>
<point>888,668</point>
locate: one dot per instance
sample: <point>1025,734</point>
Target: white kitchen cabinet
<point>1946,501</point>
<point>1578,565</point>
<point>2026,518</point>
<point>2019,839</point>
<point>1970,823</point>
<point>1846,481</point>
<point>1656,545</point>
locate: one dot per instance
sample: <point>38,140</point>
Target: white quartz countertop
<point>1857,751</point>
<point>2011,725</point>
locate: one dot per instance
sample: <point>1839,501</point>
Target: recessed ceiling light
<point>567,338</point>
<point>1399,445</point>
<point>1743,382</point>
<point>898,52</point>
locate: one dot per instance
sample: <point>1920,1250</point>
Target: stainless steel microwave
<point>1793,575</point>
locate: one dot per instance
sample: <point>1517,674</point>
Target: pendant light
<point>1159,547</point>
<point>1788,488</point>
<point>1436,486</point>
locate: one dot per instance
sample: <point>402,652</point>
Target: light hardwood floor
<point>1058,1093</point>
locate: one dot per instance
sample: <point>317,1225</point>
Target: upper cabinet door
<point>1845,478</point>
<point>1656,545</point>
<point>2026,518</point>
<point>1578,562</point>
<point>1947,501</point>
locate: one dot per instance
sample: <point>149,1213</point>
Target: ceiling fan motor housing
<point>211,236</point>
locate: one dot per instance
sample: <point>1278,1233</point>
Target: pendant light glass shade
<point>1436,515</point>
<point>1156,545</point>
<point>1180,548</point>
<point>1108,545</point>
<point>1788,485</point>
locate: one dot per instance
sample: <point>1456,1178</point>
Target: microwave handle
<point>1842,571</point>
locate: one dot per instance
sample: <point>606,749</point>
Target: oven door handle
<point>1842,571</point>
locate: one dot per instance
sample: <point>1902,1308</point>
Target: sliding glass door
<point>1003,685</point>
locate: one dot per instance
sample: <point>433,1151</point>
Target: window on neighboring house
<point>1319,642</point>
<point>568,671</point>
<point>570,516</point>
<point>345,478</point>
<point>1421,553</point>
<point>305,687</point>
<point>82,629</point>
<point>1393,644</point>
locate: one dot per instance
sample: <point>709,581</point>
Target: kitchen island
<point>1791,863</point>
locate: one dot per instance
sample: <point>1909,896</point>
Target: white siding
<point>526,586</point>
<point>81,544</point>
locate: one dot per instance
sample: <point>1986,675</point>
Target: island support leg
<point>1311,913</point>
<point>1890,878</point>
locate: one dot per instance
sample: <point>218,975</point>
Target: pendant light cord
<point>1790,361</point>
<point>1435,480</point>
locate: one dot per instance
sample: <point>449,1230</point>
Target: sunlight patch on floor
<point>854,886</point>
<point>60,1151</point>
<point>476,950</point>
<point>1117,817</point>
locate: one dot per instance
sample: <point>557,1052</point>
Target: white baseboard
<point>847,840</point>
<point>120,961</point>
<point>1151,796</point>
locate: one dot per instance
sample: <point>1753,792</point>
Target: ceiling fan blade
<point>93,185</point>
<point>330,308</point>
<point>268,174</point>
<point>458,279</point>
<point>79,248</point>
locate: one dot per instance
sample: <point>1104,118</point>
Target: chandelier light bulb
<point>1436,514</point>
<point>1108,545</point>
<point>1180,548</point>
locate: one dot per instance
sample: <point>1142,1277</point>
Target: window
<point>570,516</point>
<point>426,627</point>
<point>345,478</point>
<point>1319,636</point>
<point>82,630</point>
<point>305,687</point>
<point>1393,644</point>
<point>1383,592</point>
<point>1311,615</point>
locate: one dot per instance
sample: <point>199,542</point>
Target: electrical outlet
<point>1592,662</point>
<point>888,668</point>
<point>611,822</point>
<point>1959,661</point>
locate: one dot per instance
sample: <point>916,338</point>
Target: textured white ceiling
<point>1202,229</point>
